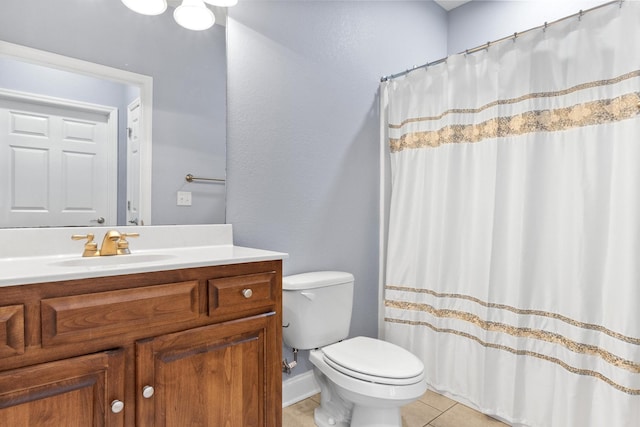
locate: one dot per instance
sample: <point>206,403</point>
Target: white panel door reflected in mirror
<point>60,139</point>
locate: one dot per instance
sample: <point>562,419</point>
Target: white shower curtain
<point>513,254</point>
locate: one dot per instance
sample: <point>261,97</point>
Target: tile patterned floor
<point>431,410</point>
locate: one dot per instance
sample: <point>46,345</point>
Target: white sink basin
<point>101,261</point>
<point>39,255</point>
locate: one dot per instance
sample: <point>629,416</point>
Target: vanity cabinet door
<point>76,392</point>
<point>11,330</point>
<point>218,375</point>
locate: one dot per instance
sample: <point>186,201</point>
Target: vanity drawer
<point>239,293</point>
<point>11,330</point>
<point>92,316</point>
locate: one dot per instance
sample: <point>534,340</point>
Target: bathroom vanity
<point>186,335</point>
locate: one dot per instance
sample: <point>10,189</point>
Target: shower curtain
<point>513,248</point>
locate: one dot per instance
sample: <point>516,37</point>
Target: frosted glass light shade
<point>194,15</point>
<point>222,3</point>
<point>146,7</point>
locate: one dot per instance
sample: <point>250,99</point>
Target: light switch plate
<point>184,198</point>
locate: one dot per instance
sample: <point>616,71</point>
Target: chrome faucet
<point>114,243</point>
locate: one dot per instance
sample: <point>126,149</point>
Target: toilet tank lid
<point>316,279</point>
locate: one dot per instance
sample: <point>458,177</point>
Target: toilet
<point>363,381</point>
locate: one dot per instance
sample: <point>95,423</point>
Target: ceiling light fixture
<point>194,15</point>
<point>191,14</point>
<point>222,3</point>
<point>146,7</point>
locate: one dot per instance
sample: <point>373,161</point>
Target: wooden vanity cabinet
<point>205,376</point>
<point>75,392</point>
<point>190,347</point>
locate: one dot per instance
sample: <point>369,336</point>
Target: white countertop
<point>49,255</point>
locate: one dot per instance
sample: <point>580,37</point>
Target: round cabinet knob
<point>147,391</point>
<point>247,293</point>
<point>117,406</point>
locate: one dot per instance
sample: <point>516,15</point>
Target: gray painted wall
<point>303,108</point>
<point>303,129</point>
<point>303,117</point>
<point>479,21</point>
<point>189,71</point>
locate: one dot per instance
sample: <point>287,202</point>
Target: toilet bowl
<point>371,377</point>
<point>363,381</point>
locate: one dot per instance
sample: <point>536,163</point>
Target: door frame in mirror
<point>144,83</point>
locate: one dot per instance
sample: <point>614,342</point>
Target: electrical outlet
<point>184,198</point>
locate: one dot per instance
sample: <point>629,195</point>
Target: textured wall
<point>303,129</point>
<point>189,72</point>
<point>480,21</point>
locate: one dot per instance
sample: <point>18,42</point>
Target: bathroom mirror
<point>54,111</point>
<point>178,76</point>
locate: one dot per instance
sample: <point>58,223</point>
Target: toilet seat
<point>375,361</point>
<point>386,394</point>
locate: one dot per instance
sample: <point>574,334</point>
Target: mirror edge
<point>143,82</point>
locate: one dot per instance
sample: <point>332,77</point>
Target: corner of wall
<point>299,388</point>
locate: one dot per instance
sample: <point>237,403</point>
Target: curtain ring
<point>546,24</point>
<point>580,15</point>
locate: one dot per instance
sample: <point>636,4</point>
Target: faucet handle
<point>91,247</point>
<point>123,244</point>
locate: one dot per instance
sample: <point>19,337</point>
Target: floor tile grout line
<point>438,409</point>
<point>441,414</point>
<point>313,402</point>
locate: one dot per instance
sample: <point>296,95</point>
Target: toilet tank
<point>316,308</point>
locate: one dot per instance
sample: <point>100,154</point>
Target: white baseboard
<point>299,388</point>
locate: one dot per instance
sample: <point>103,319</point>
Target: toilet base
<point>342,408</point>
<point>333,411</point>
<point>361,416</point>
<point>375,417</point>
<point>323,419</point>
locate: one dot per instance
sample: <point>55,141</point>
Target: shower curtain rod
<point>488,44</point>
